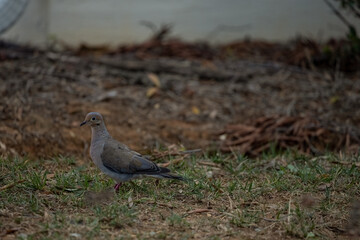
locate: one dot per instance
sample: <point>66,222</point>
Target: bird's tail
<point>172,176</point>
<point>165,173</point>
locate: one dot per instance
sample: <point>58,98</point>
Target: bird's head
<point>93,119</point>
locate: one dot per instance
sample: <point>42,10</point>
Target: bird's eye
<point>93,119</point>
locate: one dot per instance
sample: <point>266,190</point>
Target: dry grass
<point>277,196</point>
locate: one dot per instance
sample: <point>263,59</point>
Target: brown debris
<point>307,135</point>
<point>44,95</point>
<point>2,188</point>
<point>101,198</point>
<point>354,218</point>
<point>169,48</point>
<point>198,211</point>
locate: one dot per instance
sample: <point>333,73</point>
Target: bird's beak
<point>83,123</point>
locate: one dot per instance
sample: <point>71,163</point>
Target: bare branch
<point>338,14</point>
<point>354,10</point>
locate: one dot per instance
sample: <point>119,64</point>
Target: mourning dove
<point>116,159</point>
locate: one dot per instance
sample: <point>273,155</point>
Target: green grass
<point>275,196</point>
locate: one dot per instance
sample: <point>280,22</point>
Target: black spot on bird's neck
<point>98,124</point>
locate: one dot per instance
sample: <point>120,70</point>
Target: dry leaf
<point>151,92</point>
<point>213,114</point>
<point>2,146</point>
<point>334,99</point>
<point>131,203</point>
<point>75,235</point>
<point>50,176</point>
<point>154,79</point>
<point>72,134</point>
<point>46,215</point>
<point>195,110</point>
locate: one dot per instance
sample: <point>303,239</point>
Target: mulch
<point>167,91</point>
<point>304,134</point>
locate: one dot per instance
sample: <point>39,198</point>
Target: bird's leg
<point>117,186</point>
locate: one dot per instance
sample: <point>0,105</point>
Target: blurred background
<point>204,74</point>
<point>114,22</point>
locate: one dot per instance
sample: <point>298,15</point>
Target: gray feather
<point>120,159</point>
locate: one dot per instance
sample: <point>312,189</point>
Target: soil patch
<point>154,100</point>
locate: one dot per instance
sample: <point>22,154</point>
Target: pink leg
<point>117,186</point>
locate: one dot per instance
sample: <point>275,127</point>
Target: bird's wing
<point>118,158</point>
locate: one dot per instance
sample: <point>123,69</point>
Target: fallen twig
<point>357,164</point>
<point>339,15</point>
<point>172,67</point>
<point>162,204</point>
<point>289,211</point>
<point>11,185</point>
<point>276,220</point>
<point>231,203</point>
<point>201,210</point>
<point>308,135</point>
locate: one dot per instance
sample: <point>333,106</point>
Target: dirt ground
<point>170,96</point>
<point>152,99</point>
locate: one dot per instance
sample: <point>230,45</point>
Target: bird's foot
<point>117,186</point>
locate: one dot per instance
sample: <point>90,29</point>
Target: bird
<point>117,160</point>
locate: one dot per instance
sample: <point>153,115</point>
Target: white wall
<point>33,25</point>
<point>118,21</point>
